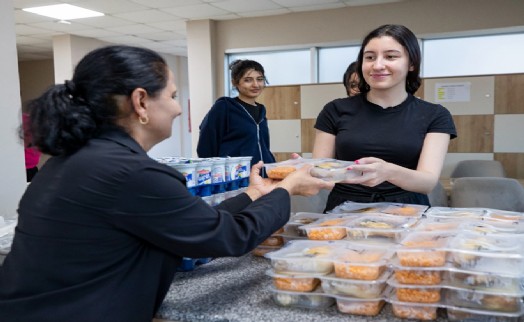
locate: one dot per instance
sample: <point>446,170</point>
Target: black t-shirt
<point>395,134</point>
<point>253,110</point>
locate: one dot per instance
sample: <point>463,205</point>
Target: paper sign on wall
<point>452,92</point>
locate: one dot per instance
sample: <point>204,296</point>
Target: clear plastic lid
<point>381,207</point>
<point>447,213</point>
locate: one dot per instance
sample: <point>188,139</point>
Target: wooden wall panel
<point>308,134</point>
<point>509,94</point>
<point>282,102</point>
<point>282,156</point>
<point>420,91</point>
<point>475,134</point>
<point>513,164</point>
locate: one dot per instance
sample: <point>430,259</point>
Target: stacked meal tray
<point>466,261</point>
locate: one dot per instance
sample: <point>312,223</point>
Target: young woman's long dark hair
<point>67,115</point>
<point>408,40</point>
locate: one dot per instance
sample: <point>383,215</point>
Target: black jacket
<point>100,233</point>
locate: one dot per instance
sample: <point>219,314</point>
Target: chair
<point>488,192</point>
<point>438,196</point>
<point>315,203</point>
<point>478,168</point>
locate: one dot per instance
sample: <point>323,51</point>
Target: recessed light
<point>64,12</point>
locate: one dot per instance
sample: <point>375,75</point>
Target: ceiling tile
<point>142,16</point>
<point>244,6</point>
<point>198,11</point>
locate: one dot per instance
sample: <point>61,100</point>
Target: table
<point>237,290</point>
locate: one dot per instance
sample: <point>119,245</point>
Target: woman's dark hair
<point>352,68</point>
<point>408,40</point>
<point>67,115</point>
<point>239,68</point>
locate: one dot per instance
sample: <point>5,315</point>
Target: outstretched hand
<point>302,183</point>
<point>374,172</point>
<point>259,186</point>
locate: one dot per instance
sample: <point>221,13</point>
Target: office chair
<point>478,168</point>
<point>488,192</point>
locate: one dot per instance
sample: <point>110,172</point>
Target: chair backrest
<point>438,196</point>
<point>478,168</point>
<point>316,203</point>
<point>487,192</point>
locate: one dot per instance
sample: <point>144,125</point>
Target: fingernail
<point>357,162</point>
<point>349,168</point>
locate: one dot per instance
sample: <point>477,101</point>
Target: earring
<point>143,120</point>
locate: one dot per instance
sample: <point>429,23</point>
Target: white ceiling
<point>156,24</point>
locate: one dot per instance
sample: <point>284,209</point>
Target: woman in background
<point>350,79</point>
<point>397,141</point>
<point>238,126</point>
<point>102,227</point>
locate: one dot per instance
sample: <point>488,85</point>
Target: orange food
<point>402,211</point>
<point>261,251</point>
<point>418,277</point>
<point>280,172</point>
<point>422,259</point>
<point>328,233</point>
<point>273,241</point>
<point>370,308</point>
<point>296,284</point>
<point>367,273</point>
<point>414,312</point>
<point>418,295</point>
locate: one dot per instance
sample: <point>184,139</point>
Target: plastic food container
<point>464,314</point>
<point>334,170</point>
<point>493,227</point>
<point>405,210</point>
<point>398,209</point>
<point>418,276</point>
<point>327,228</point>
<point>188,170</point>
<point>295,283</point>
<point>415,293</point>
<point>203,170</point>
<point>368,307</point>
<point>432,225</point>
<point>361,262</point>
<point>280,170</point>
<point>292,227</point>
<point>424,249</point>
<point>218,170</point>
<point>486,281</point>
<point>263,250</point>
<point>424,312</point>
<point>454,214</point>
<point>354,288</point>
<point>484,300</point>
<point>303,256</point>
<point>273,241</point>
<point>379,227</point>
<point>500,254</point>
<point>504,216</point>
<point>308,300</point>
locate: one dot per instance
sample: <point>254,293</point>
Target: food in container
<point>493,227</point>
<point>280,170</point>
<point>486,281</point>
<point>420,276</point>
<point>373,226</point>
<point>333,170</point>
<point>261,250</point>
<point>362,263</point>
<point>405,209</point>
<point>502,215</point>
<point>366,289</point>
<point>423,249</point>
<point>414,311</point>
<point>327,229</point>
<point>431,225</point>
<point>293,226</point>
<point>308,300</point>
<point>483,300</point>
<point>367,307</point>
<point>296,283</point>
<point>501,254</point>
<point>465,314</point>
<point>303,256</point>
<point>454,214</point>
<point>273,241</point>
<point>415,293</point>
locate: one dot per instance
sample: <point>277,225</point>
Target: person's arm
<point>422,180</point>
<point>324,146</point>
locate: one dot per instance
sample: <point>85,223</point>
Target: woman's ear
<point>139,101</point>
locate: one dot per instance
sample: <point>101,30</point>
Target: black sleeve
<point>157,207</point>
<point>327,119</point>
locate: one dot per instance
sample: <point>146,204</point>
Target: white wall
<point>12,165</point>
